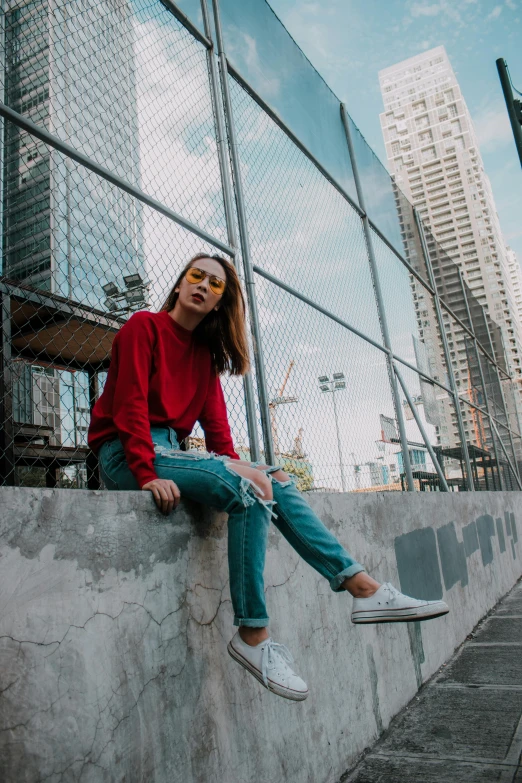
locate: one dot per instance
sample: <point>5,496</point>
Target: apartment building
<point>433,154</point>
<point>515,276</point>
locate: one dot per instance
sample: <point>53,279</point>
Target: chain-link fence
<point>136,133</point>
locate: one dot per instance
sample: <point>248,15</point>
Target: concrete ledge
<point>114,624</point>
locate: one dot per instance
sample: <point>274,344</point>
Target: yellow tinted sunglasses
<point>195,275</point>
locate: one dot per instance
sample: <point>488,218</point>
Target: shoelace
<point>273,650</point>
<point>391,590</point>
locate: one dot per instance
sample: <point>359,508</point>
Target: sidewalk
<point>465,725</point>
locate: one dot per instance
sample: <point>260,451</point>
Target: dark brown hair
<point>222,331</point>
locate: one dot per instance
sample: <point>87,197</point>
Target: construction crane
<point>279,400</point>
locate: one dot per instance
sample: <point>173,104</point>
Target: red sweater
<point>158,377</point>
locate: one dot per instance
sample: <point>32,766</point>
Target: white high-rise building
<point>433,153</point>
<point>515,274</point>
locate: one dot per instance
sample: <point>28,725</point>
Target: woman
<point>164,376</point>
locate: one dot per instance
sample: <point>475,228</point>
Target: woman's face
<point>199,297</point>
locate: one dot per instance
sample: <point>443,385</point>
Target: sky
<point>349,41</point>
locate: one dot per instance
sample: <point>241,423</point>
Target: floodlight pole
<point>343,482</point>
<point>333,390</point>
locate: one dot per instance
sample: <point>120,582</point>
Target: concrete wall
<point>114,624</point>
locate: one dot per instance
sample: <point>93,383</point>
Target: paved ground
<point>465,725</point>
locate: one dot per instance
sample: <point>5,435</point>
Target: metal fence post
<point>451,375</point>
<point>506,455</point>
<point>479,363</point>
<point>502,396</point>
<point>226,183</point>
<point>380,306</point>
<point>245,244</point>
<point>506,409</point>
<point>2,130</point>
<point>420,425</point>
<point>7,455</point>
<point>92,464</point>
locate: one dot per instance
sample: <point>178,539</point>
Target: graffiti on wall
<point>431,560</point>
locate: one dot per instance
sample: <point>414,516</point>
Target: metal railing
<point>130,141</point>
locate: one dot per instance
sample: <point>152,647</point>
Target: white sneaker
<point>270,664</point>
<point>388,605</point>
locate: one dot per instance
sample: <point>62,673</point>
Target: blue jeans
<point>206,478</point>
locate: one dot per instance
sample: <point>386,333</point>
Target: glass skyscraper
<point>66,230</point>
<point>69,66</point>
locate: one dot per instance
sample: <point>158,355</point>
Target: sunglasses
<point>195,275</point>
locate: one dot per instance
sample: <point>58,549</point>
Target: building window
<point>428,154</point>
<point>456,126</point>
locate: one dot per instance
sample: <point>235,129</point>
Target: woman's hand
<point>166,494</point>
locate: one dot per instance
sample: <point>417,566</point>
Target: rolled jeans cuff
<point>337,581</point>
<point>261,622</point>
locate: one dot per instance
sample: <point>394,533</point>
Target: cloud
<point>320,41</point>
<point>492,127</point>
<point>447,9</point>
<point>243,52</point>
<point>511,4</point>
<point>314,9</point>
<point>421,9</point>
<point>495,13</point>
<point>422,46</point>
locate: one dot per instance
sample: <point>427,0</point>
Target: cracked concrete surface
<point>114,622</point>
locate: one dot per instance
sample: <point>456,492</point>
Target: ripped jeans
<point>206,478</point>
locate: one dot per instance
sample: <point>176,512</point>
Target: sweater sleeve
<point>214,420</point>
<point>134,348</point>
